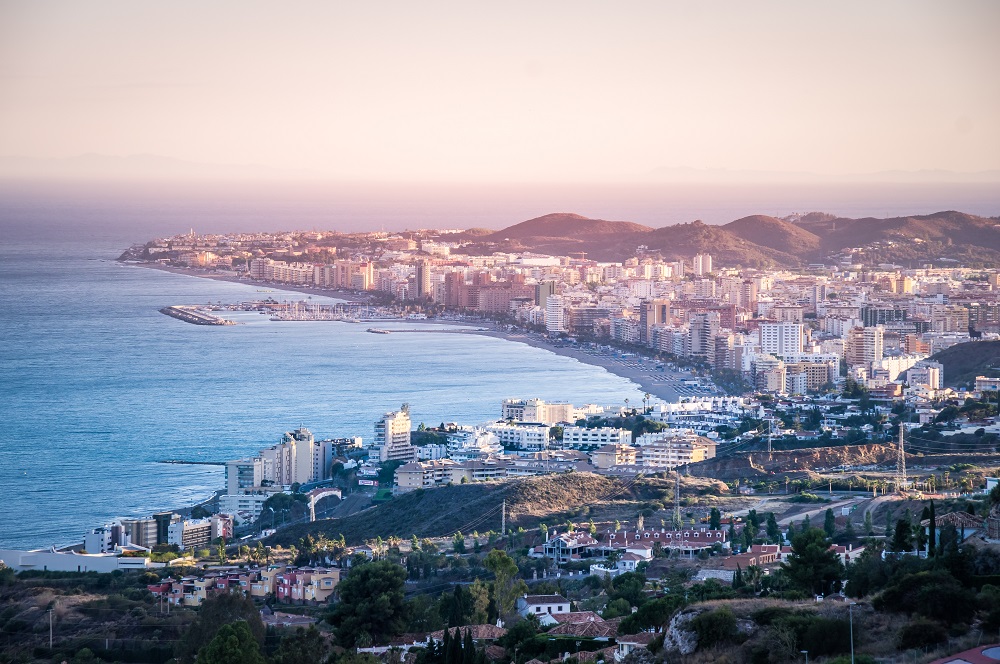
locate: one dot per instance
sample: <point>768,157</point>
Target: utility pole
<point>503,518</point>
<point>50,629</point>
<point>901,462</point>
<point>850,611</point>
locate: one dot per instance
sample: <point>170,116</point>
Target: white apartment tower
<point>392,436</point>
<point>702,264</point>
<point>555,314</point>
<point>781,339</point>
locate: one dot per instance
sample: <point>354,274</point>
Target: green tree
<point>506,587</point>
<point>773,530</point>
<point>456,608</point>
<point>902,539</point>
<point>371,604</point>
<point>232,644</point>
<point>869,526</point>
<point>215,612</point>
<point>479,592</point>
<point>714,519</point>
<point>812,566</point>
<point>303,646</point>
<point>458,542</point>
<point>829,523</point>
<point>738,578</point>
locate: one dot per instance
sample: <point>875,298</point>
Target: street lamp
<point>850,611</point>
<point>806,653</point>
<point>272,517</point>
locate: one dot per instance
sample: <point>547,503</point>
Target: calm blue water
<point>96,385</point>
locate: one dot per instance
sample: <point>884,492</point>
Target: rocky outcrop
<point>679,636</point>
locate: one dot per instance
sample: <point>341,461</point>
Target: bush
<point>806,497</point>
<point>921,634</point>
<point>715,627</point>
<point>859,659</point>
<point>936,595</point>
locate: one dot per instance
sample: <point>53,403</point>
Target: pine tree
<point>830,523</point>
<point>869,526</point>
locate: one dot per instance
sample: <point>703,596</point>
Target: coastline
<point>663,385</point>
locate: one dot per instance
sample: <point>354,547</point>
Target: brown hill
<point>944,233</point>
<point>566,225</point>
<point>776,234</point>
<point>564,233</point>
<point>530,500</point>
<point>758,241</point>
<point>686,240</point>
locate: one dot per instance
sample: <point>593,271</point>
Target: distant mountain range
<point>760,241</point>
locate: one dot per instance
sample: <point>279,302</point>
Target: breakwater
<point>194,316</point>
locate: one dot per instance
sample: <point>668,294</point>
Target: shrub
<point>715,627</point>
<point>921,634</point>
<point>806,497</point>
<point>936,595</point>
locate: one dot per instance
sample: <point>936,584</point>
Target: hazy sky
<point>515,91</point>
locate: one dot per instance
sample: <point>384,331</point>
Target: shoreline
<point>663,385</point>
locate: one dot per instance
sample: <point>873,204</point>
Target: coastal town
<point>773,397</point>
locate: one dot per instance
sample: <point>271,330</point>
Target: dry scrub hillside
<point>477,507</point>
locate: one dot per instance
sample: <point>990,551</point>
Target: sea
<point>97,387</point>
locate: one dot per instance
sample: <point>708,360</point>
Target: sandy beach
<point>665,384</point>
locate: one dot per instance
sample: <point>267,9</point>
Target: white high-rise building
<point>555,314</point>
<point>702,264</point>
<point>781,339</point>
<point>392,437</point>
